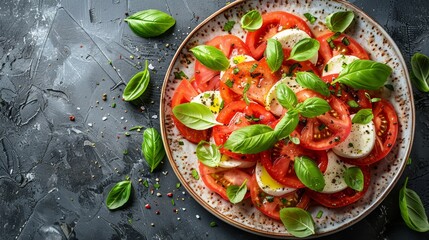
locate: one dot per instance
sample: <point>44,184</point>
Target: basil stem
<point>208,154</point>
<point>364,116</point>
<point>152,148</point>
<point>309,174</point>
<point>312,81</point>
<point>118,195</point>
<point>297,221</point>
<point>251,139</point>
<point>274,54</point>
<point>195,115</point>
<point>236,193</point>
<point>412,209</point>
<point>286,96</point>
<point>420,71</point>
<point>304,50</point>
<point>251,21</point>
<point>287,124</point>
<point>339,21</point>
<point>353,177</point>
<point>137,85</point>
<point>211,57</point>
<point>150,23</point>
<point>313,107</point>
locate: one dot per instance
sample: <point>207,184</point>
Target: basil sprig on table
<point>274,54</point>
<point>354,179</point>
<point>119,195</point>
<point>297,221</point>
<point>137,85</point>
<point>251,21</point>
<point>195,115</point>
<point>339,21</point>
<point>211,57</point>
<point>152,148</point>
<point>364,116</point>
<point>412,209</point>
<point>235,193</point>
<point>420,71</point>
<point>208,154</point>
<point>308,173</point>
<point>312,81</point>
<point>150,23</point>
<point>304,50</point>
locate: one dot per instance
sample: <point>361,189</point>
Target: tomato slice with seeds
<point>271,205</point>
<point>326,52</point>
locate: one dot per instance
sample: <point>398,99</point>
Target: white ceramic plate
<point>384,175</point>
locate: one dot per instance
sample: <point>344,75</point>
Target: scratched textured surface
<point>57,58</point>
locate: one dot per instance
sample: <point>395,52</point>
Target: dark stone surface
<point>55,173</point>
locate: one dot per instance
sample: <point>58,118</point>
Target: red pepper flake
<point>72,118</point>
<point>175,210</point>
<point>147,206</point>
<point>169,194</point>
<point>157,212</point>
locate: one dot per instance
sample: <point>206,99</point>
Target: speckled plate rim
<point>201,201</point>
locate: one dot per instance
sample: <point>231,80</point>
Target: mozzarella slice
<point>227,162</point>
<point>289,37</point>
<point>334,174</point>
<point>268,184</point>
<point>271,102</point>
<point>236,59</point>
<point>337,63</point>
<point>211,99</point>
<point>359,143</point>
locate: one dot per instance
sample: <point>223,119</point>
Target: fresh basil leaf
<point>150,23</point>
<point>304,49</point>
<point>211,57</point>
<point>251,139</point>
<point>297,221</point>
<point>364,116</point>
<point>285,96</point>
<point>313,107</point>
<point>274,54</point>
<point>420,71</point>
<point>312,19</point>
<point>309,174</point>
<point>294,140</point>
<point>195,115</point>
<point>287,124</point>
<point>312,81</point>
<point>152,148</point>
<point>353,177</point>
<point>353,104</point>
<point>236,193</point>
<point>251,21</point>
<point>228,26</point>
<point>119,195</point>
<point>208,154</point>
<point>364,74</point>
<point>339,21</point>
<point>412,209</point>
<point>195,174</point>
<point>137,85</point>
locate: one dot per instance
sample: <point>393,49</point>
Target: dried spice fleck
<point>169,194</point>
<point>72,118</point>
<point>104,97</point>
<point>213,224</point>
<point>147,206</point>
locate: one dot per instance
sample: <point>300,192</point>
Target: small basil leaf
<point>118,195</point>
<point>211,57</point>
<point>152,148</point>
<point>150,23</point>
<point>304,49</point>
<point>195,174</point>
<point>312,19</point>
<point>364,74</point>
<point>339,21</point>
<point>312,81</point>
<point>208,154</point>
<point>274,54</point>
<point>420,73</point>
<point>251,139</point>
<point>364,116</point>
<point>236,193</point>
<point>297,221</point>
<point>251,21</point>
<point>195,115</point>
<point>287,124</point>
<point>412,209</point>
<point>353,177</point>
<point>286,96</point>
<point>309,174</point>
<point>137,85</point>
<point>313,107</point>
<point>228,26</point>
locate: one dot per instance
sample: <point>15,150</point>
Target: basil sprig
<point>420,71</point>
<point>285,96</point>
<point>304,50</point>
<point>297,221</point>
<point>412,209</point>
<point>137,85</point>
<point>235,193</point>
<point>195,115</point>
<point>339,21</point>
<point>208,154</point>
<point>312,81</point>
<point>251,21</point>
<point>354,179</point>
<point>364,74</point>
<point>251,139</point>
<point>119,195</point>
<point>150,23</point>
<point>364,116</point>
<point>211,57</point>
<point>308,173</point>
<point>152,148</point>
<point>313,107</point>
<point>274,54</point>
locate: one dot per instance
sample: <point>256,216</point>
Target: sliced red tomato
<point>386,127</point>
<point>207,79</point>
<point>272,23</point>
<point>255,74</point>
<point>218,179</point>
<point>326,52</point>
<point>344,197</point>
<point>291,67</point>
<point>271,205</point>
<point>327,130</point>
<point>183,94</point>
<point>227,94</point>
<point>279,162</point>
